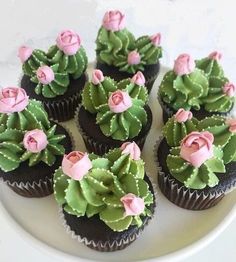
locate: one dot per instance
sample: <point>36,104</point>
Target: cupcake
<point>56,78</point>
<point>190,88</point>
<point>104,205</point>
<point>31,146</point>
<point>120,55</point>
<point>195,172</point>
<point>112,113</point>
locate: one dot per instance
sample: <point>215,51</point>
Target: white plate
<point>173,233</point>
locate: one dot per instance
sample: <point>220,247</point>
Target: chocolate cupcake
<point>112,113</point>
<point>31,146</point>
<point>106,201</point>
<point>58,77</point>
<point>120,55</point>
<point>190,88</point>
<point>193,171</point>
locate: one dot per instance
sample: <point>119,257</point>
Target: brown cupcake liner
<point>108,246</point>
<point>166,111</point>
<point>150,82</point>
<point>98,147</point>
<point>185,197</point>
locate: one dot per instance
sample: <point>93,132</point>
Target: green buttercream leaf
<point>112,201</point>
<point>92,210</point>
<point>111,214</point>
<point>121,225</point>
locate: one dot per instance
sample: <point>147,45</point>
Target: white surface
<point>197,27</point>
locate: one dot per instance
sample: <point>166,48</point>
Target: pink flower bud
<point>119,101</point>
<point>138,79</point>
<point>134,58</point>
<point>24,53</point>
<point>97,77</point>
<point>184,64</point>
<point>215,55</point>
<point>133,205</point>
<point>45,75</point>
<point>182,116</point>
<point>229,89</point>
<point>68,42</point>
<point>114,21</point>
<point>35,141</point>
<point>156,39</point>
<point>131,149</point>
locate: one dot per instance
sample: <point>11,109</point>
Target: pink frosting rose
<point>182,115</point>
<point>13,99</point>
<point>134,58</point>
<point>97,77</point>
<point>184,64</point>
<point>68,42</point>
<point>24,52</point>
<point>229,89</point>
<point>76,165</point>
<point>231,122</point>
<point>45,75</point>
<point>132,149</point>
<point>133,205</point>
<point>35,141</point>
<point>215,55</point>
<point>197,147</point>
<point>138,79</point>
<point>119,101</point>
<point>113,21</point>
<point>156,39</point>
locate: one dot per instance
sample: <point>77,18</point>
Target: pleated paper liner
<point>104,245</point>
<point>100,148</point>
<point>187,198</point>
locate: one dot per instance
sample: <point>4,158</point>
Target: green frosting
<point>123,164</point>
<point>193,177</point>
<point>222,136</point>
<point>56,88</point>
<point>95,95</point>
<point>74,64</point>
<point>112,46</point>
<point>125,125</point>
<point>33,62</point>
<point>48,155</point>
<point>186,91</point>
<point>174,131</point>
<point>11,148</point>
<point>217,100</point>
<point>32,117</point>
<point>211,67</point>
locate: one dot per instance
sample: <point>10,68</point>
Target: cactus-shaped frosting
<point>221,95</point>
<point>50,81</point>
<point>31,59</point>
<point>196,161</point>
<point>17,111</point>
<point>178,126</point>
<point>126,160</point>
<point>210,65</point>
<point>69,54</point>
<point>121,117</point>
<point>11,148</point>
<point>42,146</point>
<point>185,86</point>
<point>224,131</point>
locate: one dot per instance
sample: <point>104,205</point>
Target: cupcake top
<point>26,133</point>
<point>211,65</point>
<point>196,161</point>
<point>88,185</point>
<point>118,47</point>
<point>119,107</point>
<point>185,86</point>
<point>178,126</point>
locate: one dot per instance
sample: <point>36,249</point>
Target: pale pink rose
<point>134,58</point>
<point>184,64</point>
<point>156,39</point>
<point>229,89</point>
<point>13,99</point>
<point>68,42</point>
<point>133,205</point>
<point>197,147</point>
<point>97,77</point>
<point>132,149</point>
<point>113,21</point>
<point>215,55</point>
<point>182,116</point>
<point>35,141</point>
<point>45,75</point>
<point>119,101</point>
<point>231,122</point>
<point>24,52</point>
<point>76,165</point>
<point>138,79</point>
